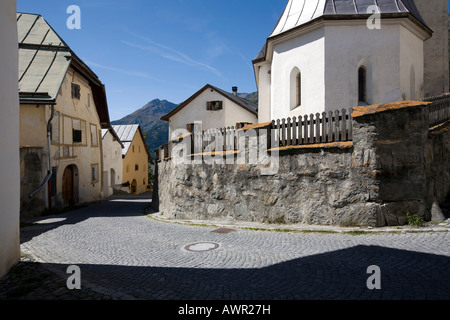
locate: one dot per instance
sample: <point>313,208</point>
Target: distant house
<point>62,111</point>
<point>215,108</point>
<point>323,56</point>
<point>135,158</point>
<point>112,161</point>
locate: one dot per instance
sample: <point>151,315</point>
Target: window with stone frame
<point>76,91</point>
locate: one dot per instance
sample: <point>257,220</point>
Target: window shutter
<point>208,105</point>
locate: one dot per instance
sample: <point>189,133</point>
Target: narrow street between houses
<point>126,252</point>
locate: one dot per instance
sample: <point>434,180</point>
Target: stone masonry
<point>395,165</point>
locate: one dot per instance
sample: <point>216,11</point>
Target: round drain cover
<point>202,246</point>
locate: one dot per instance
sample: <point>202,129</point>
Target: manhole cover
<point>202,246</point>
<point>223,230</point>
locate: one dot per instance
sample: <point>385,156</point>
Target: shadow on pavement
<point>336,275</point>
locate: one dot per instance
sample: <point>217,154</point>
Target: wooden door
<point>67,186</point>
<point>134,187</point>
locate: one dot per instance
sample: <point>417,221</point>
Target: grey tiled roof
<point>43,58</point>
<point>299,12</point>
<point>126,134</point>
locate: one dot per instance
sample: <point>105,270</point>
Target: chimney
<point>235,90</point>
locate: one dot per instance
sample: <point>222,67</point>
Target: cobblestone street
<point>125,253</point>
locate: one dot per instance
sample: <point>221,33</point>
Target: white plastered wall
<point>264,92</point>
<point>112,159</point>
<point>306,53</point>
<point>9,130</point>
<point>350,46</point>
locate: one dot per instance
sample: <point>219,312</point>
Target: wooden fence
<point>326,127</point>
<point>439,109</point>
<point>323,127</point>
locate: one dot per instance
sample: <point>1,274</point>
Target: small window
<point>133,148</point>
<point>76,91</point>
<point>94,173</point>
<point>214,105</point>
<point>296,88</point>
<point>136,167</point>
<point>77,136</point>
<point>362,84</point>
<point>77,131</point>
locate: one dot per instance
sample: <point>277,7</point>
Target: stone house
<point>135,157</point>
<point>112,161</point>
<point>214,108</point>
<point>9,130</point>
<point>63,108</point>
<point>325,54</point>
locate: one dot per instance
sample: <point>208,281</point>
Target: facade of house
<point>324,55</point>
<point>214,108</point>
<point>112,161</point>
<point>9,130</point>
<point>135,157</point>
<point>62,111</point>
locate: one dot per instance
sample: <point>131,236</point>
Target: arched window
<point>412,84</point>
<point>362,84</point>
<point>296,88</point>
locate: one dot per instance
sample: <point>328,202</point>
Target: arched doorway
<point>69,185</point>
<point>134,187</point>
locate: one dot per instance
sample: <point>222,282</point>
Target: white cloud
<point>124,71</point>
<point>171,54</point>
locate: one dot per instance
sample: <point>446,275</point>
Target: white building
<point>112,161</point>
<point>9,130</point>
<point>322,55</point>
<point>215,108</point>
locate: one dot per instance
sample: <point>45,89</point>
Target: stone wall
<point>394,166</point>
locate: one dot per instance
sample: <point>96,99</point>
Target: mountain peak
<point>149,118</point>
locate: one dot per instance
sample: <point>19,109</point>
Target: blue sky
<point>166,49</point>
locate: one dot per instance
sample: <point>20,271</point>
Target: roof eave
<point>98,90</point>
<point>195,95</point>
